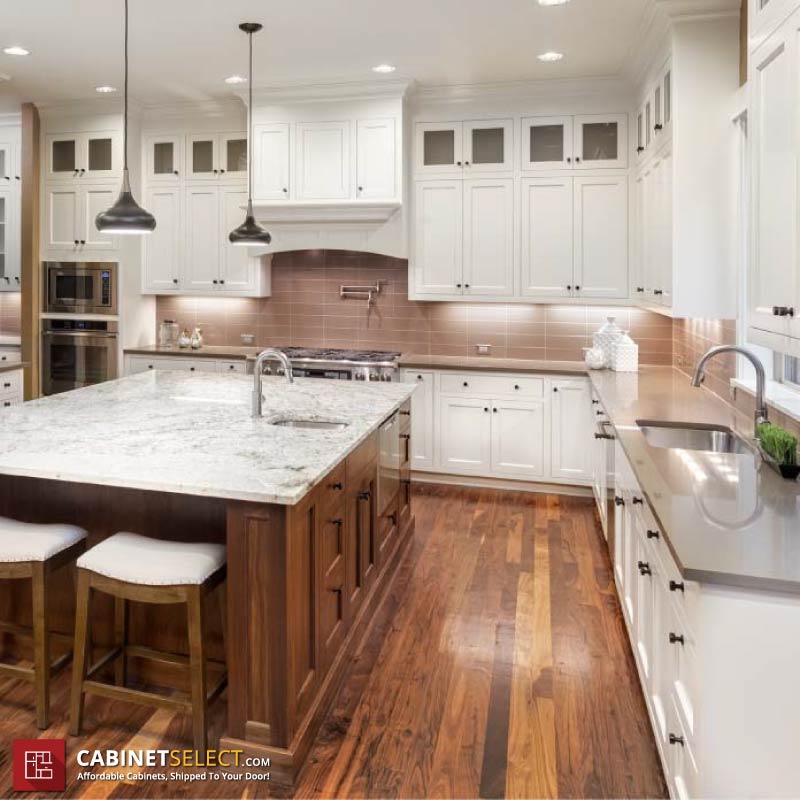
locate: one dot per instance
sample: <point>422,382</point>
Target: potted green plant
<point>779,449</point>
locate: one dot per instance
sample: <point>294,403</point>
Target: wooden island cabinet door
<point>332,625</point>
<point>360,545</point>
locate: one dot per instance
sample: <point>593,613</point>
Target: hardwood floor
<point>498,666</point>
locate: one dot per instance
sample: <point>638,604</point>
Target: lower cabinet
<point>11,388</point>
<point>135,364</point>
<point>361,536</point>
<point>502,425</point>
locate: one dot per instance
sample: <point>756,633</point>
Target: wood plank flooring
<point>498,666</point>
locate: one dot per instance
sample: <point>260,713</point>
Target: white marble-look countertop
<point>193,434</point>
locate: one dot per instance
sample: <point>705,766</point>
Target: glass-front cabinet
<point>216,156</point>
<point>96,155</point>
<point>8,169</point>
<point>9,241</point>
<point>233,155</point>
<point>164,158</point>
<point>547,143</point>
<point>464,148</point>
<point>601,141</point>
<point>439,148</point>
<point>488,145</point>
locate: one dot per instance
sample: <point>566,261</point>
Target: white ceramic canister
<point>608,335</point>
<point>626,355</point>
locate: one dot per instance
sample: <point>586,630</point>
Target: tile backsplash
<point>692,337</point>
<point>10,309</point>
<point>305,309</point>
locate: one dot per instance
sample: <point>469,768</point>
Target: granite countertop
<point>411,360</point>
<point>727,518</point>
<point>192,433</point>
<point>231,352</point>
<point>10,366</point>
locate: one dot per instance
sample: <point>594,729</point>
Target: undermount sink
<point>314,424</point>
<point>692,436</point>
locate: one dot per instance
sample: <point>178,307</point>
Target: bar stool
<point>133,567</point>
<point>31,551</point>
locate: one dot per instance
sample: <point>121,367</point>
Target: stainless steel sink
<point>314,424</point>
<point>692,436</point>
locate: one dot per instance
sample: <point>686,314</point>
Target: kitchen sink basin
<point>692,436</point>
<point>313,424</point>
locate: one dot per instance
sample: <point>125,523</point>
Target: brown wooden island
<point>315,523</point>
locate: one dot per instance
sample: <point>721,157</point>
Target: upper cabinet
<point>163,159</point>
<point>580,142</point>
<point>216,157</point>
<point>92,156</point>
<point>344,163</point>
<point>464,148</point>
<point>10,185</point>
<point>764,17</point>
<point>685,230</point>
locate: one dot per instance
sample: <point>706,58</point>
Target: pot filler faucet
<point>761,406</point>
<point>266,355</point>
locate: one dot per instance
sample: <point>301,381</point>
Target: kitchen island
<point>314,521</point>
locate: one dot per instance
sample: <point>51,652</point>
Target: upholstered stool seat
<point>27,541</point>
<point>132,567</point>
<point>34,551</point>
<point>144,561</point>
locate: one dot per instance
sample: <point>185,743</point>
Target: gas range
<point>348,365</point>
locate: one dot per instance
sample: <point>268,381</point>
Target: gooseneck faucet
<point>266,355</point>
<point>761,406</point>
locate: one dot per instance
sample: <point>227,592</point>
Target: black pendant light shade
<point>126,216</point>
<point>250,233</point>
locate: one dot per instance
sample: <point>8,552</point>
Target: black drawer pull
<point>674,638</point>
<point>675,586</point>
<point>338,486</point>
<point>337,522</point>
<point>653,535</point>
<point>365,495</point>
<point>644,568</point>
<point>637,501</point>
<point>405,435</point>
<point>619,501</point>
<point>673,739</point>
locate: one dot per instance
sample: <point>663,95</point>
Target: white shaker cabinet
<point>571,430</point>
<point>546,143</point>
<point>488,237</point>
<point>271,153</point>
<point>235,263</point>
<point>774,280</point>
<point>202,238</point>
<point>376,162</point>
<point>70,210</point>
<point>163,159</point>
<point>90,156</point>
<point>323,160</point>
<point>465,434</point>
<point>518,439</point>
<point>163,251</point>
<point>601,237</point>
<point>438,236</point>
<point>422,418</point>
<point>546,251</point>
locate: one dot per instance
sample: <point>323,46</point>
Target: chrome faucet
<point>761,406</point>
<point>266,355</point>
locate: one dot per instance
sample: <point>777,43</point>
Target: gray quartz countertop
<point>727,518</point>
<point>192,433</point>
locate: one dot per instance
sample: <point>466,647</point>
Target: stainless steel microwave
<point>75,287</point>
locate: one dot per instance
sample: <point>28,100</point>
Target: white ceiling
<point>182,49</point>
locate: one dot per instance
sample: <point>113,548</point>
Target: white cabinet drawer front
<point>494,385</point>
<point>10,400</point>
<point>10,356</point>
<point>136,365</point>
<point>422,418</point>
<point>10,383</point>
<point>683,767</point>
<point>232,366</point>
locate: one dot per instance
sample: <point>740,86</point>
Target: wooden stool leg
<point>41,645</point>
<point>79,664</point>
<point>197,666</point>
<point>121,636</point>
<point>223,612</point>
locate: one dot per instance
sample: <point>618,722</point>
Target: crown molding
<point>218,107</point>
<point>11,118</point>
<point>566,87</point>
<point>321,92</point>
<point>89,105</point>
<point>698,9</point>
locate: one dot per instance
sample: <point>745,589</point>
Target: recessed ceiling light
<point>550,55</point>
<point>16,50</point>
<point>105,89</point>
<point>384,68</point>
<point>236,79</point>
<point>552,2</point>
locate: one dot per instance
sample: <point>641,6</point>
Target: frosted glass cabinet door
<point>438,148</point>
<point>271,161</point>
<point>102,155</point>
<point>7,173</point>
<point>546,143</point>
<point>488,146</point>
<point>233,155</point>
<point>164,158</point>
<point>202,157</point>
<point>601,141</point>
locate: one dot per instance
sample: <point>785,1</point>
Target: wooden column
<point>31,273</point>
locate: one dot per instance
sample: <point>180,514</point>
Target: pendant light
<point>250,233</point>
<point>126,215</point>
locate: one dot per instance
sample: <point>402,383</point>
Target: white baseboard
<point>500,483</point>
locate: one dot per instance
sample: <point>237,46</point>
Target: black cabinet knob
<point>658,127</point>
<point>458,286</point>
<point>494,410</point>
<point>644,568</point>
<point>516,387</point>
<point>640,289</point>
<point>83,241</point>
<point>595,402</point>
<point>466,286</point>
<point>175,280</point>
<point>222,281</point>
<point>783,311</point>
<point>675,586</point>
<point>419,377</point>
<point>569,159</point>
<point>360,188</point>
<point>674,739</point>
<point>674,638</point>
<point>214,281</point>
<point>555,388</point>
<point>619,501</point>
<point>658,291</point>
<point>466,163</point>
<point>465,383</point>
<point>458,163</point>
<point>486,410</point>
<point>569,287</point>
<point>578,159</point>
<point>174,172</point>
<point>640,149</point>
<point>77,242</point>
<point>285,190</point>
<point>653,535</point>
<point>337,522</point>
<point>637,501</point>
<point>222,172</point>
<point>577,288</point>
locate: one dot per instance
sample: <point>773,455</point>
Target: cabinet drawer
<point>232,366</point>
<point>11,355</point>
<point>10,383</point>
<point>11,400</point>
<point>494,385</point>
<point>683,767</point>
